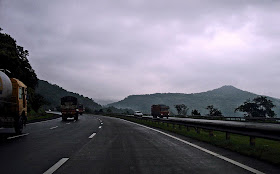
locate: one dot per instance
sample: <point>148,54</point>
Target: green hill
<point>226,98</point>
<point>53,93</point>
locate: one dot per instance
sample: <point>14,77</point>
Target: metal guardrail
<point>252,130</point>
<point>234,118</point>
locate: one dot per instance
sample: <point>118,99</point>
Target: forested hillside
<point>53,93</point>
<point>226,98</point>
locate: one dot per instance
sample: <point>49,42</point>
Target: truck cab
<point>13,103</point>
<point>160,111</point>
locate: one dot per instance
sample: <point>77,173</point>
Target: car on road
<point>138,114</point>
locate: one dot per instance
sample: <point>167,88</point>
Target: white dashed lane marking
<point>17,136</point>
<point>56,166</point>
<point>92,135</point>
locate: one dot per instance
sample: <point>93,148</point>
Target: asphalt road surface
<point>98,144</point>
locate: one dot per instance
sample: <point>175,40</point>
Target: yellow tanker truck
<point>13,103</point>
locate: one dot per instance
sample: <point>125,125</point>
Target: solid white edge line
<point>205,150</point>
<point>54,127</point>
<point>17,136</point>
<point>92,135</point>
<point>56,166</point>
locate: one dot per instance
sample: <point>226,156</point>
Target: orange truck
<point>160,111</point>
<point>69,107</point>
<point>13,103</point>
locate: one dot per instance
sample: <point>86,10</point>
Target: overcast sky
<point>111,49</point>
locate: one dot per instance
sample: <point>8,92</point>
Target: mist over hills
<point>105,102</point>
<point>53,94</point>
<point>225,98</point>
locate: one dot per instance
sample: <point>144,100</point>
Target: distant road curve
<point>54,112</point>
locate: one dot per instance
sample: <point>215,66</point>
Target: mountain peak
<point>226,98</point>
<point>226,89</point>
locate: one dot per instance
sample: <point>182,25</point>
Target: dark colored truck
<point>69,107</point>
<point>81,109</point>
<point>160,111</point>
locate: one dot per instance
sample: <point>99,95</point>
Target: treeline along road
<point>99,144</point>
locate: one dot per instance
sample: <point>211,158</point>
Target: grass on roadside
<point>268,150</point>
<point>40,115</point>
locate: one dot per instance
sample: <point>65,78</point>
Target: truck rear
<point>69,107</point>
<point>81,109</point>
<point>160,111</point>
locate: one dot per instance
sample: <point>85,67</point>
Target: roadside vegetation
<point>41,95</point>
<point>14,61</point>
<point>264,149</point>
<point>41,117</point>
<point>258,107</point>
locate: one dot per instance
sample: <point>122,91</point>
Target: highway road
<point>99,144</point>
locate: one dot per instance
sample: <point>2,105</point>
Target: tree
<point>88,110</point>
<point>37,101</point>
<point>195,112</point>
<point>178,108</point>
<point>109,110</point>
<point>181,109</point>
<point>14,58</point>
<point>213,111</point>
<point>258,107</point>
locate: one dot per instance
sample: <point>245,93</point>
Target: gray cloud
<point>111,49</point>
